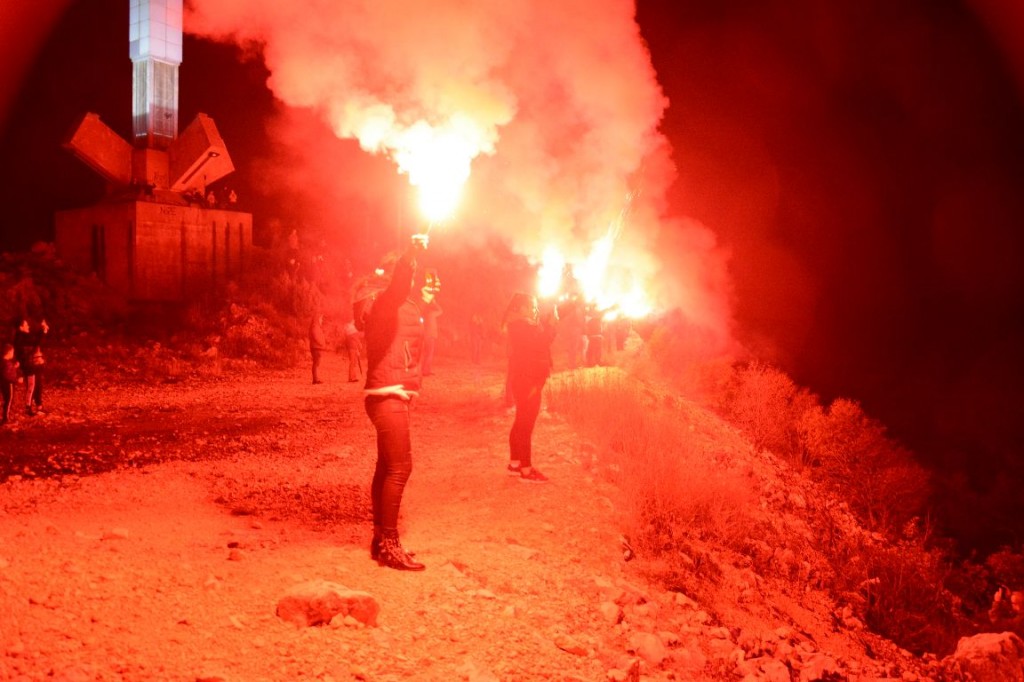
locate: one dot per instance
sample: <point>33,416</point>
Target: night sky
<point>861,160</point>
<point>864,161</point>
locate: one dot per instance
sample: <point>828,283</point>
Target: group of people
<point>23,363</point>
<point>587,332</point>
<point>396,327</point>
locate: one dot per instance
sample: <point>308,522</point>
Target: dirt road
<point>220,495</point>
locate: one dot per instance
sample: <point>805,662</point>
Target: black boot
<point>393,556</point>
<point>375,543</point>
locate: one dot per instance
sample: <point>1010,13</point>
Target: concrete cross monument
<point>154,236</point>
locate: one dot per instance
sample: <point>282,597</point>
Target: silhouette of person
<point>317,345</point>
<point>529,365</point>
<point>354,346</point>
<point>431,310</point>
<point>393,330</point>
<point>28,350</point>
<point>8,377</point>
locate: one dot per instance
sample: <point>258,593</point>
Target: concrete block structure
<point>154,251</point>
<point>154,237</point>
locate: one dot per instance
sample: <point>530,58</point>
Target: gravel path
<point>224,494</point>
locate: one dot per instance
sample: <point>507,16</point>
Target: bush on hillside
<point>879,478</point>
<point>893,573</point>
<point>37,285</point>
<point>265,316</point>
<point>262,318</point>
<point>675,490</point>
<point>682,356</point>
<point>767,405</point>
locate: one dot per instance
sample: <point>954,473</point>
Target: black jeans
<point>390,417</point>
<point>7,394</point>
<point>527,395</point>
<point>316,355</point>
<point>34,389</point>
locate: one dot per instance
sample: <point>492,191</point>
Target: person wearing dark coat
<point>529,366</point>
<point>28,351</point>
<point>317,345</point>
<point>393,328</point>
<point>431,310</point>
<point>8,377</point>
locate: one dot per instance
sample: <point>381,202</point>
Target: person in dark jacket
<point>354,346</point>
<point>529,366</point>
<point>393,328</point>
<point>431,311</point>
<point>8,377</point>
<point>28,351</point>
<point>317,345</point>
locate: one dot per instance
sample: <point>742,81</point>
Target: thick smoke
<point>561,100</point>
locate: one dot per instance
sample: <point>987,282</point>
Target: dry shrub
<point>767,405</point>
<point>675,490</point>
<point>36,284</point>
<point>262,318</point>
<point>879,478</point>
<point>689,358</point>
<point>1007,568</point>
<point>896,576</point>
<point>252,333</point>
<point>905,595</point>
<point>900,588</point>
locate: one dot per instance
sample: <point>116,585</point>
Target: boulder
<point>989,657</point>
<point>317,602</point>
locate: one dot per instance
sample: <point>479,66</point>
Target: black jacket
<point>529,351</point>
<point>394,332</point>
<point>25,344</point>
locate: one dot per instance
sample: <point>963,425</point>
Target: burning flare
<point>616,290</point>
<point>436,158</point>
<point>555,106</point>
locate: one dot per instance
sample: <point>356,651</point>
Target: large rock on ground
<point>316,602</point>
<point>989,657</point>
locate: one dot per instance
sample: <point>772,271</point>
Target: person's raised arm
<point>401,277</point>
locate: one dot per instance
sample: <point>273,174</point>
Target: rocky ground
<point>215,497</point>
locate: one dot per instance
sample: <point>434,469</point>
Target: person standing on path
<point>28,351</point>
<point>529,366</point>
<point>354,346</point>
<point>431,310</point>
<point>393,327</point>
<point>317,345</point>
<point>8,377</point>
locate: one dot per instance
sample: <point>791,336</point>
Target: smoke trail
<point>557,104</point>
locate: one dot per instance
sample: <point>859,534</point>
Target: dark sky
<point>863,161</point>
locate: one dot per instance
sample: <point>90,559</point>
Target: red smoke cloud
<point>558,100</point>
